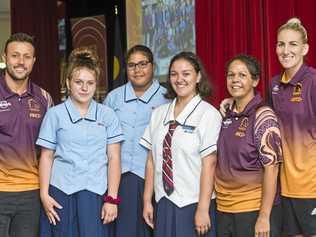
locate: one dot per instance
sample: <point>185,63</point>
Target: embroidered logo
<point>297,93</point>
<point>313,213</point>
<point>4,105</point>
<point>34,108</point>
<point>275,89</point>
<point>242,128</point>
<point>227,122</point>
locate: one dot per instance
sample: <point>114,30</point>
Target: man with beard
<point>22,107</point>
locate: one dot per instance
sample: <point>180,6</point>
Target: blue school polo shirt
<point>80,159</point>
<point>134,113</point>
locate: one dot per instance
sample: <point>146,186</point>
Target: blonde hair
<point>295,24</point>
<point>83,57</point>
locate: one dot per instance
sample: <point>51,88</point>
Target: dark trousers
<point>19,214</point>
<point>243,224</point>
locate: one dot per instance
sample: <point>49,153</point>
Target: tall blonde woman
<point>294,101</point>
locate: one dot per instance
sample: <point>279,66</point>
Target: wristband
<point>110,199</point>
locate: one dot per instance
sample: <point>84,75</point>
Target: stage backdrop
<point>167,27</point>
<point>90,31</point>
<point>230,27</point>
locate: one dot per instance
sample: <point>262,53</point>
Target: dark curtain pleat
<point>39,18</point>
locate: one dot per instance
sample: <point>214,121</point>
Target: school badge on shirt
<point>188,129</point>
<point>297,93</point>
<point>241,131</point>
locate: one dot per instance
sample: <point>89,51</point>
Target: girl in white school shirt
<point>183,183</point>
<point>80,157</point>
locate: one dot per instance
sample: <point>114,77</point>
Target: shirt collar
<point>129,93</point>
<point>298,75</point>
<point>183,117</point>
<point>74,114</point>
<point>8,93</point>
<point>250,107</point>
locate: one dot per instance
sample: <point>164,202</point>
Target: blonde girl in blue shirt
<point>80,157</point>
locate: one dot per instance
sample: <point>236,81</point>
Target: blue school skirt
<point>172,221</point>
<point>130,222</point>
<point>80,216</point>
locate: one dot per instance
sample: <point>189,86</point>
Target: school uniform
<point>134,114</point>
<point>248,142</point>
<point>194,138</point>
<point>79,172</point>
<point>295,104</point>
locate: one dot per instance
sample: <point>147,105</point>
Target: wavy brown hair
<point>203,88</point>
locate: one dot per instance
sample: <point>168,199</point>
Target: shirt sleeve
<point>267,137</point>
<point>114,130</point>
<point>209,131</point>
<point>47,135</point>
<point>107,101</point>
<point>146,139</point>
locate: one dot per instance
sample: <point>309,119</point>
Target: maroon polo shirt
<point>295,104</point>
<point>248,141</point>
<point>20,119</point>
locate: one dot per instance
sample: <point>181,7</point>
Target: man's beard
<point>14,77</point>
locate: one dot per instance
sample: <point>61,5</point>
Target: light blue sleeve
<point>108,101</point>
<point>47,135</point>
<point>113,128</point>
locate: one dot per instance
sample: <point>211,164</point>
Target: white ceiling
<point>4,6</point>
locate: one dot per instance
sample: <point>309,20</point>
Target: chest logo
<point>4,105</point>
<point>188,129</point>
<point>275,89</point>
<point>297,93</point>
<point>241,131</point>
<point>227,122</point>
<point>34,108</point>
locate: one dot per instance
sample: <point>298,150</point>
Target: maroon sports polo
<point>20,119</point>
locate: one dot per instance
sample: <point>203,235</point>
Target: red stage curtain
<point>39,18</point>
<point>230,27</point>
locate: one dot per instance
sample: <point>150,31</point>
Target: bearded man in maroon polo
<point>22,108</point>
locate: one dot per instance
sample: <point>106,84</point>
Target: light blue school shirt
<point>80,159</point>
<point>134,113</point>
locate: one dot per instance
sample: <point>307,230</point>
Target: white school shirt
<point>194,138</point>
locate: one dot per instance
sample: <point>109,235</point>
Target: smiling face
<point>240,84</point>
<point>291,50</point>
<point>82,86</point>
<point>139,71</point>
<point>183,79</point>
<point>19,59</point>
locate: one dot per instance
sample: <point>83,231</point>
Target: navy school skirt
<point>172,221</point>
<point>80,216</point>
<point>130,222</point>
